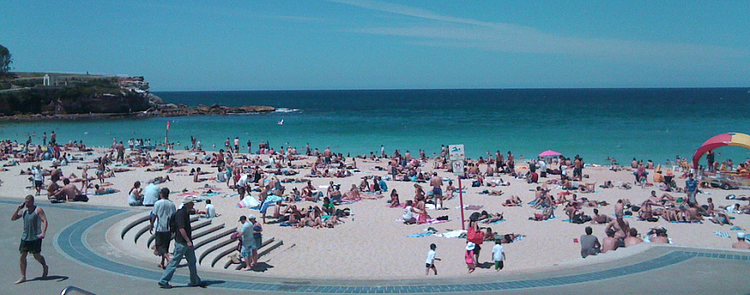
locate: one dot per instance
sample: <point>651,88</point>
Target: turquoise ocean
<point>655,124</point>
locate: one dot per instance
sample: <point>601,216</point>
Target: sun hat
<point>470,246</point>
<point>188,200</point>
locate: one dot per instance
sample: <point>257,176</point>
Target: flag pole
<point>166,138</point>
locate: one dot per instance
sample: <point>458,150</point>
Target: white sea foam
<point>286,110</point>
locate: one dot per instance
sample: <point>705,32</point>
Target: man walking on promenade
<point>183,246</point>
<point>34,229</point>
<point>163,209</point>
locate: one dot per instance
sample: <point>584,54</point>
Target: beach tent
<point>721,140</point>
<point>549,153</point>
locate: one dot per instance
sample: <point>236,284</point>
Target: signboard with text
<point>456,152</point>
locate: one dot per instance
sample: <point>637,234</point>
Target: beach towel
<point>248,202</point>
<point>722,234</point>
<point>736,228</point>
<point>435,221</point>
<point>472,207</point>
<point>453,234</point>
<point>420,235</point>
<point>230,196</point>
<point>497,221</point>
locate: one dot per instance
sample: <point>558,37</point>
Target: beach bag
<point>476,237</point>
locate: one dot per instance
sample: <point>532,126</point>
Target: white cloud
<point>448,31</point>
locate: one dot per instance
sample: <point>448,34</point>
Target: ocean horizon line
<point>455,89</point>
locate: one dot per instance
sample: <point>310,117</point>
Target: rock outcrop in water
<point>36,96</point>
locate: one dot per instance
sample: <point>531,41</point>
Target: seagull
<point>281,122</point>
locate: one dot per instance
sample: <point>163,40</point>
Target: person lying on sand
<point>104,191</point>
<point>513,201</point>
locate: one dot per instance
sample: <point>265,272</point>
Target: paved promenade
<point>79,255</point>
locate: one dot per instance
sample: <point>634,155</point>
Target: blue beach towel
<point>420,235</point>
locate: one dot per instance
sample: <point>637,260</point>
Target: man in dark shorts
<point>34,230</point>
<point>437,190</point>
<point>163,209</point>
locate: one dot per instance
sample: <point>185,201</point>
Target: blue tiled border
<point>71,241</point>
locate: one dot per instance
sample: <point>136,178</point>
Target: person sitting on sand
<point>589,243</point>
<point>53,189</point>
<point>135,195</point>
<point>610,243</point>
<point>659,236</point>
<point>408,215</point>
<point>353,194</point>
<point>620,226</point>
<point>571,210</point>
<point>600,218</point>
<point>328,207</point>
<point>546,214</point>
<point>633,238</point>
<point>394,201</point>
<point>70,192</point>
<point>450,191</point>
<point>741,243</point>
<point>539,197</point>
<point>646,213</point>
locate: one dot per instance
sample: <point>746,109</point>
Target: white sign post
<point>457,157</point>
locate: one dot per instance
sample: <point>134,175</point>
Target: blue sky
<point>364,44</point>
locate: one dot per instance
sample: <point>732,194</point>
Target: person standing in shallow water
<point>34,230</point>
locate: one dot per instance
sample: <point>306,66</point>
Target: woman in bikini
<point>394,199</point>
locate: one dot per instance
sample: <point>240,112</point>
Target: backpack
<point>173,222</point>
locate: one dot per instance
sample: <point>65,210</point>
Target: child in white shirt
<point>498,254</point>
<point>430,263</point>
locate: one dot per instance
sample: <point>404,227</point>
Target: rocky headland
<point>39,96</point>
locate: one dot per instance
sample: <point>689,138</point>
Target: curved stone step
<point>133,224</point>
<point>214,237</point>
<point>198,224</point>
<point>224,253</point>
<point>198,235</point>
<point>260,254</point>
<point>145,229</point>
<point>217,246</point>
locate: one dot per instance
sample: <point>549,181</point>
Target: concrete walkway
<point>79,255</point>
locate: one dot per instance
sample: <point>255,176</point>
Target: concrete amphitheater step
<point>267,246</point>
<point>219,244</point>
<point>195,223</point>
<point>216,236</point>
<point>133,224</point>
<point>144,230</point>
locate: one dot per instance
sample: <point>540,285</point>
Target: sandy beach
<point>373,243</point>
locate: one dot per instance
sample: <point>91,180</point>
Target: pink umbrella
<point>549,153</point>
